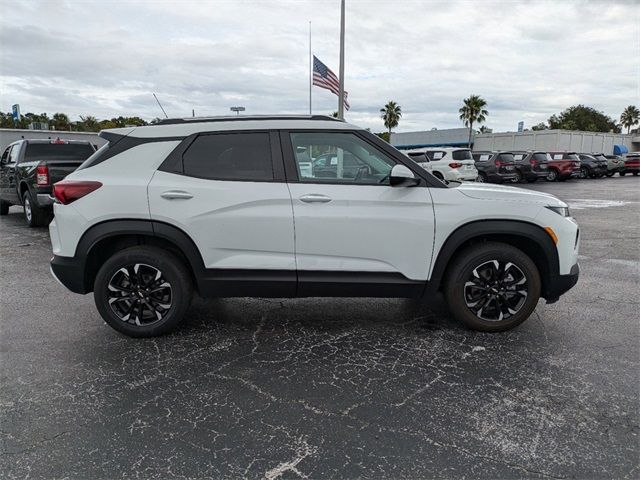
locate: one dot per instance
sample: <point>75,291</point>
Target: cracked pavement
<point>329,388</point>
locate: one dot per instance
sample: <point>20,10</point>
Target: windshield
<point>542,157</point>
<point>462,155</point>
<point>505,157</point>
<point>57,151</point>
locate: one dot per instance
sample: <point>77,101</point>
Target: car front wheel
<point>143,291</point>
<point>492,287</point>
<point>552,176</point>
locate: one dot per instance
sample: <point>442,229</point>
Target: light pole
<point>341,80</point>
<point>237,109</point>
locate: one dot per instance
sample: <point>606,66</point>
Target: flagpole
<point>341,90</point>
<point>310,68</point>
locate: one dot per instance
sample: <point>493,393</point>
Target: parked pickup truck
<point>29,168</point>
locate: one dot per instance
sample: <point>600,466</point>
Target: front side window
<point>230,156</point>
<point>5,155</point>
<point>331,157</point>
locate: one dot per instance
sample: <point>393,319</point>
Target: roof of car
<point>181,127</point>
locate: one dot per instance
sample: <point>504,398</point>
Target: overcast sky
<point>527,59</point>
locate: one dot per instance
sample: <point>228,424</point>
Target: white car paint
<point>265,225</point>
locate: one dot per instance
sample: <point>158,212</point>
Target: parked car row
<point>460,164</point>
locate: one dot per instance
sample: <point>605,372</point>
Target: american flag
<point>323,77</point>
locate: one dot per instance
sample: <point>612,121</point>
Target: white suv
<point>446,163</point>
<point>234,207</point>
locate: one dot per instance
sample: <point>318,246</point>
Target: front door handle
<point>315,198</point>
<point>176,195</point>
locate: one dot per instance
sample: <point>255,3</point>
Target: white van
<point>446,163</point>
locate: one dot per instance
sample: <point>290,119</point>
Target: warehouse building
<point>545,140</point>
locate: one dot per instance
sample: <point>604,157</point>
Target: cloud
<point>527,59</point>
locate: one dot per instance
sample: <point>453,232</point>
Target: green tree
<point>473,111</point>
<point>484,129</point>
<point>579,117</point>
<point>384,136</point>
<point>391,114</point>
<point>540,126</point>
<point>630,116</point>
<point>334,114</point>
<point>60,121</point>
<point>88,124</point>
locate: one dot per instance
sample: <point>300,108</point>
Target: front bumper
<point>70,272</point>
<point>561,284</point>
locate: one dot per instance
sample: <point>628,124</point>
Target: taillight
<point>68,191</point>
<point>455,165</point>
<point>42,175</point>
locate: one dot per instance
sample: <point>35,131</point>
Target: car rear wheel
<point>584,172</point>
<point>33,214</point>
<point>492,287</point>
<point>481,178</point>
<point>552,176</point>
<point>143,291</point>
<point>4,207</point>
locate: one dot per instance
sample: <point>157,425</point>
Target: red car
<point>631,164</point>
<point>563,165</point>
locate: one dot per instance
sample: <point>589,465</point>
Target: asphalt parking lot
<point>329,388</point>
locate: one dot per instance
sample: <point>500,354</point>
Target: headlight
<point>564,211</point>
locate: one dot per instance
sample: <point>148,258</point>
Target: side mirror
<point>401,176</point>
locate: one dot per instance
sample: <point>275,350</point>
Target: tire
<point>584,173</point>
<point>482,178</point>
<point>33,214</point>
<point>518,177</point>
<point>635,174</point>
<point>610,174</point>
<point>622,174</point>
<point>553,175</point>
<point>4,207</point>
<point>461,294</point>
<point>143,264</point>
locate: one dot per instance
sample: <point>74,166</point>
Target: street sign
<point>520,127</point>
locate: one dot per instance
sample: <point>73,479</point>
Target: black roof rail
<point>243,118</point>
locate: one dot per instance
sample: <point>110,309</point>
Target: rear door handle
<point>315,198</point>
<point>176,195</point>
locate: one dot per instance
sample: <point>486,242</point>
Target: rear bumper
<point>45,200</point>
<point>69,271</point>
<point>560,284</point>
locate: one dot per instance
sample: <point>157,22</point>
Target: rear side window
<point>483,157</point>
<point>461,155</point>
<point>542,157</point>
<point>230,156</point>
<point>518,156</point>
<point>435,155</point>
<point>57,151</point>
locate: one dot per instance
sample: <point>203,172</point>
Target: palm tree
<point>391,114</point>
<point>473,111</point>
<point>630,116</point>
<point>60,121</point>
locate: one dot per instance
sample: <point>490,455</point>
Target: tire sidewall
<point>173,270</point>
<point>471,258</point>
